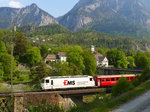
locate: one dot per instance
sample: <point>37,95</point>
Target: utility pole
<point>12,59</point>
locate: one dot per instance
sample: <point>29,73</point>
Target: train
<point>82,81</point>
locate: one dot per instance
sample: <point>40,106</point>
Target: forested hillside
<point>56,35</point>
<point>51,29</point>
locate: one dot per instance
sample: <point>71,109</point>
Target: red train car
<point>109,80</point>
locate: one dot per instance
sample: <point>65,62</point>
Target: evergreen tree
<point>39,72</point>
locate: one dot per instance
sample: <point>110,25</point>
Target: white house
<point>101,60</point>
<point>62,56</point>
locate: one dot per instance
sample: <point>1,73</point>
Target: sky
<point>54,7</point>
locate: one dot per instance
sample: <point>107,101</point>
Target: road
<point>140,104</point>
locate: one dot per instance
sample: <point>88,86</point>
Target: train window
<point>103,80</point>
<point>117,78</point>
<point>91,79</point>
<point>107,79</point>
<point>47,81</point>
<point>112,79</point>
<point>51,82</point>
<point>131,78</point>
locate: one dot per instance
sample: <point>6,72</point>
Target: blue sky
<point>54,7</point>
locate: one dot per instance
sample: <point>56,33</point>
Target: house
<point>51,57</point>
<point>101,60</point>
<point>61,56</point>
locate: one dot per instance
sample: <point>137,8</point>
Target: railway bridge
<point>19,101</point>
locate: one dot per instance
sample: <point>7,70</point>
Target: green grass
<point>22,77</point>
<point>107,106</point>
<point>4,89</point>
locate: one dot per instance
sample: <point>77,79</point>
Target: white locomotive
<point>64,82</point>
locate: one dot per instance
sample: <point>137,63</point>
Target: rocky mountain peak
<point>29,15</point>
<point>109,16</point>
<point>33,5</point>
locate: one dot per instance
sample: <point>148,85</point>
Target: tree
<point>131,63</point>
<point>40,71</point>
<point>44,50</point>
<point>63,69</point>
<point>75,57</point>
<point>1,69</point>
<point>142,61</point>
<point>101,51</point>
<point>5,60</point>
<point>117,58</point>
<point>2,47</point>
<point>33,56</point>
<point>89,62</point>
<point>21,45</point>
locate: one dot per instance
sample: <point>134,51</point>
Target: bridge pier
<point>68,102</point>
<point>18,104</point>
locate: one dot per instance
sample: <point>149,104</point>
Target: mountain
<point>116,17</point>
<point>146,3</point>
<point>25,16</point>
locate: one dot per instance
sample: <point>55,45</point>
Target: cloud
<point>15,4</point>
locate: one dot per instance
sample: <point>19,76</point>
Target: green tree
<point>62,69</point>
<point>131,63</point>
<point>75,57</point>
<point>75,69</point>
<point>33,56</point>
<point>39,72</point>
<point>44,50</point>
<point>5,60</point>
<point>117,58</point>
<point>142,61</point>
<point>21,44</point>
<point>89,62</point>
<point>1,69</point>
<point>101,51</point>
<point>2,47</point>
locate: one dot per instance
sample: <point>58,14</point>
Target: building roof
<point>101,58</point>
<point>98,56</point>
<point>62,54</point>
<point>51,56</point>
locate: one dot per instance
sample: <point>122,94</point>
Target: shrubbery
<point>142,78</point>
<point>122,86</point>
<point>44,108</point>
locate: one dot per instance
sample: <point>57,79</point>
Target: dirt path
<point>140,104</point>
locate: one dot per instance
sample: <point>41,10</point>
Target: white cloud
<point>15,4</point>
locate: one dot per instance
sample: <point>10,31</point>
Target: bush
<point>145,75</point>
<point>44,108</point>
<point>122,86</point>
<point>142,78</point>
